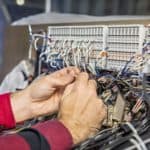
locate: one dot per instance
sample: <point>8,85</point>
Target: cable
<point>136,144</point>
<point>137,136</point>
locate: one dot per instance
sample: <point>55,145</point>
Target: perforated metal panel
<point>79,33</point>
<point>123,41</point>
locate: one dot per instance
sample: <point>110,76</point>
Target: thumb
<point>62,81</point>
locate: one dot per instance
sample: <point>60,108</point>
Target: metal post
<point>47,6</point>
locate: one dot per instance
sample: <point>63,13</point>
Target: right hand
<point>81,111</point>
<point>42,96</point>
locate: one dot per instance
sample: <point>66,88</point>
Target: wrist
<point>20,104</point>
<point>76,130</point>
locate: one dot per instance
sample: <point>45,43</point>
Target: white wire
<point>31,42</point>
<point>79,57</point>
<point>30,52</point>
<point>137,136</point>
<point>136,144</point>
<point>132,147</point>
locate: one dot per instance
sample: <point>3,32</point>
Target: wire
<point>137,136</point>
<point>135,143</point>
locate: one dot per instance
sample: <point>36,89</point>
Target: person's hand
<point>42,97</point>
<point>81,111</point>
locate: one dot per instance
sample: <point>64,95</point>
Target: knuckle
<point>84,75</point>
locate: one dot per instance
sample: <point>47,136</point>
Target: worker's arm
<point>42,97</point>
<point>6,115</point>
<point>41,136</point>
<point>44,136</point>
<point>77,122</point>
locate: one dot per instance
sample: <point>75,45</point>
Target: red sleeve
<point>56,134</point>
<point>6,115</point>
<point>14,142</point>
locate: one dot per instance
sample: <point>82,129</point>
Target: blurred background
<point>12,10</point>
<point>14,40</point>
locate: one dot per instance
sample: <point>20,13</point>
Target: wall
<point>16,45</point>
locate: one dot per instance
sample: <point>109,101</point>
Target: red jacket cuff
<point>56,134</point>
<point>6,115</point>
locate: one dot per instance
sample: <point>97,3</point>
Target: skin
<point>81,111</point>
<point>68,92</point>
<point>43,96</point>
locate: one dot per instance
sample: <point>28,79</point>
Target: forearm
<point>20,104</point>
<point>14,108</point>
<point>50,134</point>
<point>54,133</point>
<point>14,141</point>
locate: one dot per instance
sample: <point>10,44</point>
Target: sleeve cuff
<point>6,115</point>
<point>56,135</point>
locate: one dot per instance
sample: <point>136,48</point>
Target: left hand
<point>42,97</point>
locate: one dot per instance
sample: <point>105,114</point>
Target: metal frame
<point>123,41</point>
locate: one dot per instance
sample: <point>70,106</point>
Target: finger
<point>68,90</point>
<point>49,106</point>
<point>93,86</point>
<point>82,80</point>
<point>58,82</point>
<point>63,77</point>
<point>74,71</point>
